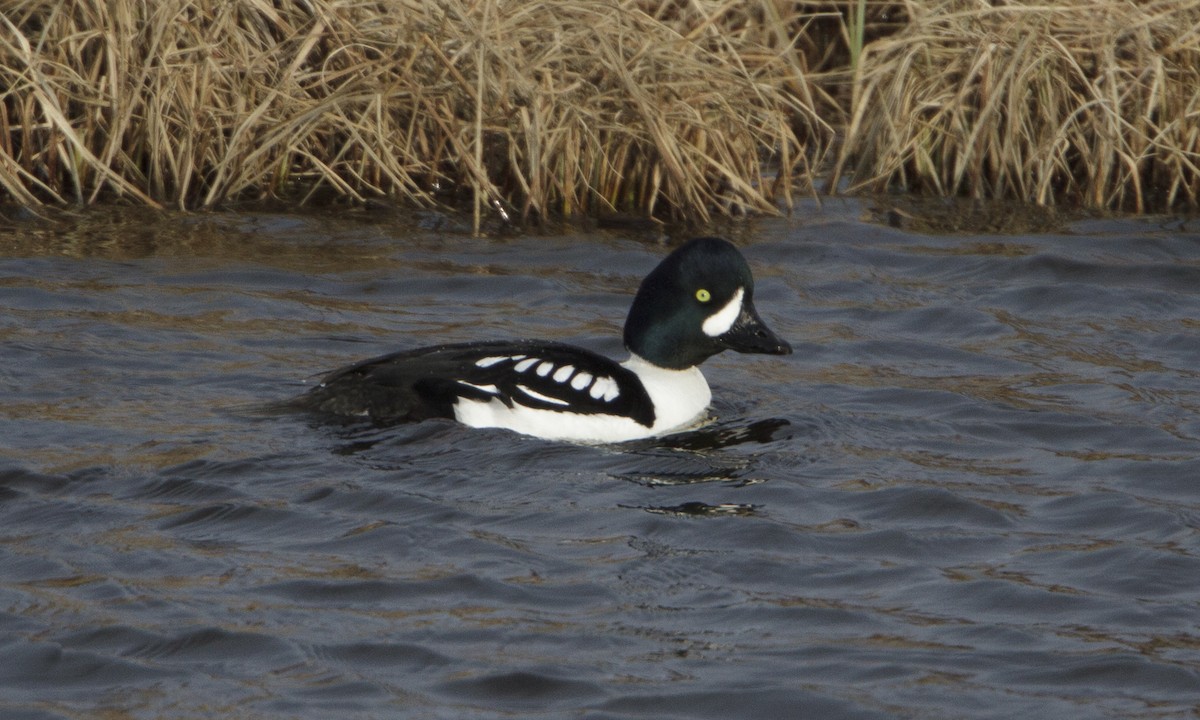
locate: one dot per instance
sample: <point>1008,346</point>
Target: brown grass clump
<point>550,107</point>
<point>554,108</point>
<point>1096,103</point>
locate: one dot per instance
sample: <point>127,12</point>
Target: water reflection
<point>729,434</point>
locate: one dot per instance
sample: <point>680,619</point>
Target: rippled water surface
<point>972,492</point>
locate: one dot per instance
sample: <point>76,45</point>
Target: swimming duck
<point>696,303</point>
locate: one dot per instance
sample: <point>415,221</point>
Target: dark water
<point>973,492</point>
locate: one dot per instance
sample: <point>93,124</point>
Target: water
<point>971,493</point>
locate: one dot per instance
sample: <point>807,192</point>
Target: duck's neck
<point>680,397</point>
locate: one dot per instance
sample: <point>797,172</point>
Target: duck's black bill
<point>751,335</point>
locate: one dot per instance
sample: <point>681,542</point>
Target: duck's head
<point>696,303</point>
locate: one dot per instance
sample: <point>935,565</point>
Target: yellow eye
<point>703,295</point>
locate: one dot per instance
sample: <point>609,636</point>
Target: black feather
<point>418,384</point>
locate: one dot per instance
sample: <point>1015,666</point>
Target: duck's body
<point>697,302</point>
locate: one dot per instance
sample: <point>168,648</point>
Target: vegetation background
<point>687,109</point>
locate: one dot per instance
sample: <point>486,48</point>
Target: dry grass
<point>554,107</point>
<point>550,108</point>
<point>1078,101</point>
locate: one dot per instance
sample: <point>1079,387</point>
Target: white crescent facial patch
<point>719,322</point>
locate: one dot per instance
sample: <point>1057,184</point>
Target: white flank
<point>525,364</point>
<point>679,396</point>
<point>719,322</point>
<point>581,380</point>
<point>563,373</point>
<point>545,368</point>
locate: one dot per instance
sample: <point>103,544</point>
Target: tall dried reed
<point>683,108</point>
<point>533,108</point>
<point>1087,102</point>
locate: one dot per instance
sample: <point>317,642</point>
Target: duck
<point>697,302</point>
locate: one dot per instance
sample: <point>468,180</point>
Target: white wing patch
<point>490,389</point>
<point>600,388</point>
<point>538,396</point>
<point>605,388</point>
<point>487,362</point>
<point>719,322</point>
